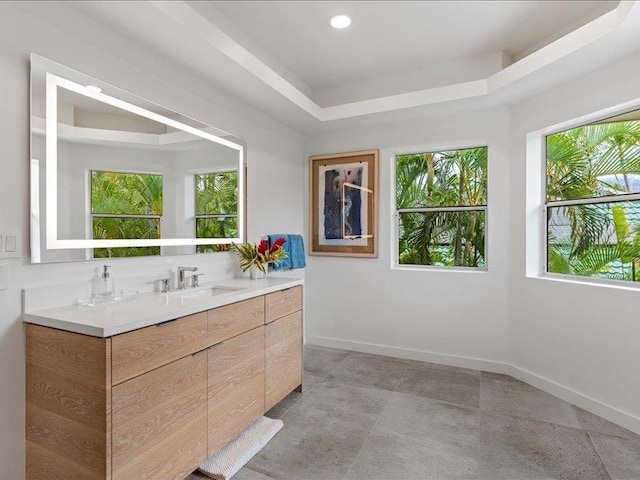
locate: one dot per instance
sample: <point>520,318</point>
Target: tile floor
<point>369,417</point>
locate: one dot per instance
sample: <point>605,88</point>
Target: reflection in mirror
<point>216,207</point>
<point>125,205</point>
<point>116,176</point>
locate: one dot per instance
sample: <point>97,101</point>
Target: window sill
<point>433,268</point>
<point>576,280</point>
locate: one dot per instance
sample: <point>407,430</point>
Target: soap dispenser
<point>103,288</point>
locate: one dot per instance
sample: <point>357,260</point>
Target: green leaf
<point>620,222</point>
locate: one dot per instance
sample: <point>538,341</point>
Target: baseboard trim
<point>606,411</point>
<point>411,354</point>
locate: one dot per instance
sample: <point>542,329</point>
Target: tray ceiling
<point>397,57</point>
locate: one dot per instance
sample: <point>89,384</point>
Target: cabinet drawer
<point>231,320</point>
<point>159,421</point>
<point>283,358</point>
<point>280,304</point>
<point>235,387</point>
<point>140,351</point>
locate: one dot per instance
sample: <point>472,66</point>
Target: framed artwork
<point>344,213</point>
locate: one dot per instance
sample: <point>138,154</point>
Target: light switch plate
<point>10,243</point>
<point>4,276</point>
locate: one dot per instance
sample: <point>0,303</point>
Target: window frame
<point>582,121</point>
<point>196,216</point>
<point>92,215</point>
<point>396,212</point>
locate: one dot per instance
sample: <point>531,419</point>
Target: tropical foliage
<point>600,238</point>
<point>216,208</point>
<point>129,205</point>
<point>123,206</point>
<point>433,186</point>
<point>260,254</point>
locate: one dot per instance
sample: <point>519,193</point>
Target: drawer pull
<point>167,322</point>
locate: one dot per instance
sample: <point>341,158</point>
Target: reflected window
<point>593,200</point>
<point>216,208</point>
<point>441,205</point>
<point>126,206</point>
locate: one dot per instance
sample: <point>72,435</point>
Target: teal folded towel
<point>294,246</point>
<point>297,251</point>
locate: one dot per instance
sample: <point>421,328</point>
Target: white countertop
<point>109,319</point>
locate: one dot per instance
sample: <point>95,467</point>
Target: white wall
<point>441,315</point>
<point>579,342</point>
<point>275,180</point>
<point>585,338</point>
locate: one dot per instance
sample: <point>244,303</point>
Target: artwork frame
<point>343,189</point>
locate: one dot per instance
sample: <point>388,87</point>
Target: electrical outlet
<point>4,276</point>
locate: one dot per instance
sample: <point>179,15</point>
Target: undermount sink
<point>206,292</point>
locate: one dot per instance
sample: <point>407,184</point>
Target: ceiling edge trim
<point>596,29</point>
<point>446,93</point>
<point>556,50</point>
<point>214,36</point>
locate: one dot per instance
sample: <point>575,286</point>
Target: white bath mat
<point>227,462</point>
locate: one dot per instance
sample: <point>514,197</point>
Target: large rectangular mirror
<point>113,175</point>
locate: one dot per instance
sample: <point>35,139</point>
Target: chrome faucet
<point>181,270</point>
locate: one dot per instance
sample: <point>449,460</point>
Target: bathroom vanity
<point>149,388</point>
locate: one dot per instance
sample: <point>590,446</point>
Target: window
<point>125,205</point>
<point>216,208</point>
<point>441,205</point>
<point>593,200</point>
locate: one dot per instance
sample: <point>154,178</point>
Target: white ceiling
<point>398,60</point>
<point>390,36</point>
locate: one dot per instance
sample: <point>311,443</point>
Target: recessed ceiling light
<point>93,89</point>
<point>340,21</point>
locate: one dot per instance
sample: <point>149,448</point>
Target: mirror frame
<point>52,242</point>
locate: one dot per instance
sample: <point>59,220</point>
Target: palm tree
<point>132,197</point>
<point>442,179</point>
<point>216,208</point>
<point>594,161</point>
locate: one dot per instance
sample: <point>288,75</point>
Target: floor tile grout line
<point>299,396</point>
<point>369,434</point>
<point>589,430</point>
<point>531,419</point>
<point>404,373</point>
<point>325,379</point>
<point>595,449</point>
<point>574,408</point>
<point>375,424</point>
<point>479,412</point>
<point>408,366</point>
<point>330,370</point>
<point>476,410</point>
<point>257,470</point>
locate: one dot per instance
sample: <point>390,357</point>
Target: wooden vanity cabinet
<point>283,343</point>
<point>156,402</point>
<point>68,404</point>
<point>159,421</point>
<point>236,386</point>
